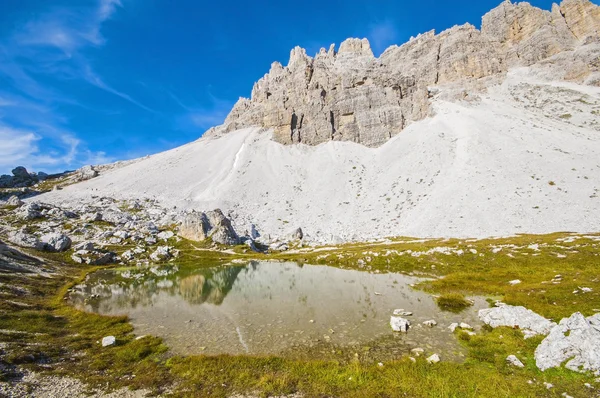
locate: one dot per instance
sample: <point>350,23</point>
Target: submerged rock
<point>399,324</point>
<point>575,340</point>
<point>507,315</point>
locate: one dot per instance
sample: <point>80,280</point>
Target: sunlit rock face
<point>350,95</point>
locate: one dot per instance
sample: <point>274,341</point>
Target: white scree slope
<point>523,159</point>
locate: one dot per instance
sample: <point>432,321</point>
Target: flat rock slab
<point>517,317</point>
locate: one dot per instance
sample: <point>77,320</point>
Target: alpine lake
<point>274,308</point>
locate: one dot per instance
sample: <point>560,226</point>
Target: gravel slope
<point>524,158</point>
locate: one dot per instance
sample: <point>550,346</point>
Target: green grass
<point>453,302</point>
<point>67,339</point>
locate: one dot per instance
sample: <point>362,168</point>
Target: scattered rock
<point>515,282</point>
<point>108,341</point>
<point>435,358</point>
<point>24,239</point>
<point>297,234</point>
<point>514,361</point>
<point>165,235</point>
<point>162,253</point>
<point>94,257</point>
<point>430,323</point>
<point>575,341</point>
<point>399,324</point>
<point>507,315</point>
<point>14,201</point>
<point>56,242</point>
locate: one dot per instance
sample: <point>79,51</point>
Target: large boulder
<point>517,317</point>
<point>13,201</point>
<point>86,173</point>
<point>56,242</point>
<point>194,226</point>
<point>221,230</point>
<point>24,239</point>
<point>199,226</point>
<point>30,211</point>
<point>574,342</point>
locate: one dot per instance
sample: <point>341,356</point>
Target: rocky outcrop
<point>20,178</point>
<point>574,342</point>
<point>350,95</point>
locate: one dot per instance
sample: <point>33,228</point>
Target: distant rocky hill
<point>349,95</point>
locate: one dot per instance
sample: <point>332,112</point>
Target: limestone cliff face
<point>350,95</point>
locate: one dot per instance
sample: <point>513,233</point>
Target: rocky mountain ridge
<point>349,95</point>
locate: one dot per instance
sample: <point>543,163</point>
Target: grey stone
<point>108,341</point>
<point>94,257</point>
<point>14,201</point>
<point>221,230</point>
<point>514,361</point>
<point>56,242</point>
<point>521,317</point>
<point>24,239</point>
<point>162,253</point>
<point>399,324</point>
<point>575,341</point>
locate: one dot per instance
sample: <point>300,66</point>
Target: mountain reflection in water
<point>270,308</point>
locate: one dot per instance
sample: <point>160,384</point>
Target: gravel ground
<point>33,385</point>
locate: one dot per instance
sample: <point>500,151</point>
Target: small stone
<point>548,385</point>
<point>430,323</point>
<point>380,365</point>
<point>514,361</point>
<point>435,358</point>
<point>465,326</point>
<point>417,351</point>
<point>399,324</point>
<point>453,327</point>
<point>515,282</point>
<point>108,341</point>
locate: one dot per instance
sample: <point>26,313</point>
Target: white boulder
<point>576,341</point>
<point>56,242</point>
<point>435,358</point>
<point>399,324</point>
<point>517,317</point>
<point>108,341</point>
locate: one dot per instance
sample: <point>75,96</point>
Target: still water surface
<point>273,308</point>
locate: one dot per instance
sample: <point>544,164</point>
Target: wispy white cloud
<point>202,118</point>
<point>50,47</point>
<point>92,78</point>
<point>381,35</point>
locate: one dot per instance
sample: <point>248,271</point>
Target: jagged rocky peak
<point>350,95</point>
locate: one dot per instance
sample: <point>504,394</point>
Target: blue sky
<point>93,81</point>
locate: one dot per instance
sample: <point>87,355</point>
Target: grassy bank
<point>43,333</point>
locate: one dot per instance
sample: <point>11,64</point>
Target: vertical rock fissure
<point>332,121</point>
